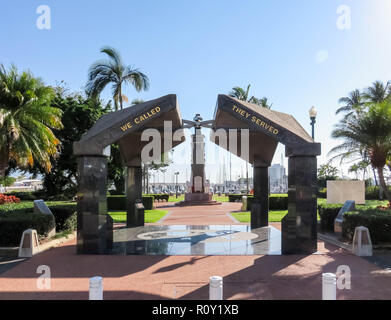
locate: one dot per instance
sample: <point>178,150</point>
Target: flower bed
<point>8,199</point>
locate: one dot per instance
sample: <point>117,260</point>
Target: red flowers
<point>8,199</point>
<point>388,207</point>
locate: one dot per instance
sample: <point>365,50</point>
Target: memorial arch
<point>124,127</point>
<point>266,128</point>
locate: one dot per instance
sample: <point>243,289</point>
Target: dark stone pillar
<point>299,226</point>
<point>94,230</point>
<point>133,186</point>
<point>260,206</point>
<point>198,160</point>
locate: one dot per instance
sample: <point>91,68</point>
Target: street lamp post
<point>176,184</point>
<point>313,112</point>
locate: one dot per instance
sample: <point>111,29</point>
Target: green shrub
<point>162,196</point>
<point>322,193</point>
<point>278,202</point>
<point>148,202</point>
<point>23,196</point>
<point>118,203</point>
<point>115,193</point>
<point>372,193</point>
<point>22,207</point>
<point>40,194</point>
<point>65,217</point>
<point>328,213</point>
<point>23,217</point>
<point>236,197</point>
<point>13,224</point>
<point>377,221</point>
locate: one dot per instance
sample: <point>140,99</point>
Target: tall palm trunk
<point>374,174</point>
<point>120,96</point>
<point>4,158</point>
<point>383,184</point>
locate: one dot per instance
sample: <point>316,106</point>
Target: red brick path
<point>199,215</point>
<point>186,277</point>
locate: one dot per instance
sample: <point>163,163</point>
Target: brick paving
<point>199,215</point>
<point>186,277</point>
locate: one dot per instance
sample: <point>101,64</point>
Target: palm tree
<point>354,169</point>
<point>264,103</point>
<point>242,94</point>
<point>370,134</point>
<point>378,92</point>
<point>137,101</point>
<point>353,103</point>
<point>26,120</point>
<point>113,71</point>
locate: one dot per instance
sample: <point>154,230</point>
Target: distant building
<point>26,184</point>
<point>278,179</point>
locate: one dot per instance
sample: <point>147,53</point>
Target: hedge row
<point>276,202</point>
<point>12,226</point>
<point>16,218</point>
<point>24,196</point>
<point>371,193</point>
<point>118,203</point>
<point>158,197</point>
<point>377,221</point>
<point>328,213</point>
<point>148,202</point>
<point>237,197</point>
<point>41,194</point>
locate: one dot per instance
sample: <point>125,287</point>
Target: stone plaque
<point>348,206</point>
<point>198,184</point>
<point>41,207</point>
<point>340,191</point>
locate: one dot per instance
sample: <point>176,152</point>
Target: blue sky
<point>289,51</point>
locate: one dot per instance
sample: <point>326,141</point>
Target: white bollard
<point>29,244</point>
<point>96,288</point>
<point>362,244</point>
<point>329,286</point>
<point>215,288</point>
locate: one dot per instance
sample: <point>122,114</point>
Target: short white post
<point>215,288</point>
<point>329,286</point>
<point>96,288</point>
<point>362,244</point>
<point>244,203</point>
<point>29,244</point>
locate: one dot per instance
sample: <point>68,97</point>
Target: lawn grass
<point>221,198</point>
<point>151,216</point>
<point>274,216</point>
<point>245,217</point>
<point>175,199</point>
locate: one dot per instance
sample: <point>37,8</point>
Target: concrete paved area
<point>186,277</point>
<point>199,215</point>
<point>7,263</point>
